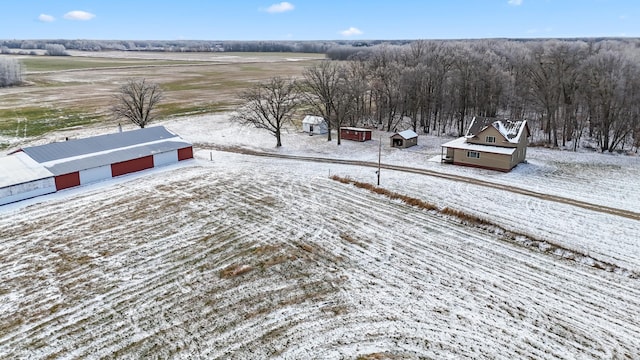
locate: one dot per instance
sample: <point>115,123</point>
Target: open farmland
<point>254,257</point>
<point>247,257</point>
<point>67,91</point>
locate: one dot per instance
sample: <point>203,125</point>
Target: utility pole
<point>379,155</point>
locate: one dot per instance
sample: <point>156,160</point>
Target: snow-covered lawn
<point>252,257</point>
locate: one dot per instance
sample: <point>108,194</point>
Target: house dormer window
<point>490,139</point>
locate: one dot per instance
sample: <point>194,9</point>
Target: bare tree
<point>386,71</point>
<point>10,72</point>
<point>136,101</point>
<point>612,96</point>
<point>319,89</point>
<point>438,62</point>
<point>269,105</point>
<point>355,80</point>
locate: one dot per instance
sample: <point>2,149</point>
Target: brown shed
<point>404,139</point>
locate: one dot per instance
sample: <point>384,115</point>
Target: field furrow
<point>218,261</point>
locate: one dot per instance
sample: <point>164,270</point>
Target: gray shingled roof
<point>478,124</point>
<point>78,147</point>
<point>510,129</point>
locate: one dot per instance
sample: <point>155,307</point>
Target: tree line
<point>309,46</point>
<point>571,92</point>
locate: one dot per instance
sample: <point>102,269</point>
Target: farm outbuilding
<point>71,163</point>
<point>23,178</point>
<point>404,139</point>
<point>355,134</point>
<point>314,125</point>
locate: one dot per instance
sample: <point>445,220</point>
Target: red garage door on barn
<point>77,162</point>
<point>185,153</point>
<point>67,180</point>
<point>129,166</point>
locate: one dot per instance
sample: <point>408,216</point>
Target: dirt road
<point>564,200</point>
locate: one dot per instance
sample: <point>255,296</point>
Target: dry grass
<point>390,194</point>
<point>308,248</point>
<point>80,88</point>
<point>476,221</point>
<point>235,270</point>
<point>418,203</point>
<point>466,218</point>
<point>350,239</point>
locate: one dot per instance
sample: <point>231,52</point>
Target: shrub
<point>55,50</point>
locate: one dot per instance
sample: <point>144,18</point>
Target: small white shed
<point>314,125</point>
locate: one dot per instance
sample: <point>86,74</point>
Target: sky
<point>317,20</point>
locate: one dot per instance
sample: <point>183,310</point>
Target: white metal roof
<point>19,168</point>
<point>314,120</point>
<point>407,134</point>
<point>460,143</point>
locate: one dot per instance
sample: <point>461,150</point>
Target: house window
<point>490,139</point>
<point>473,154</point>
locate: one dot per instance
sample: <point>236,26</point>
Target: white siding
<point>27,190</point>
<point>318,123</point>
<point>166,158</point>
<point>95,174</point>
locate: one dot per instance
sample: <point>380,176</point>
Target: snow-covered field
<point>252,257</point>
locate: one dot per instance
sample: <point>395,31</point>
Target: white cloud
<point>351,31</point>
<point>46,18</point>
<point>79,15</point>
<point>281,7</point>
<point>515,2</point>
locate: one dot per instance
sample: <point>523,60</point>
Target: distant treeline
<point>335,49</point>
<point>315,46</point>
